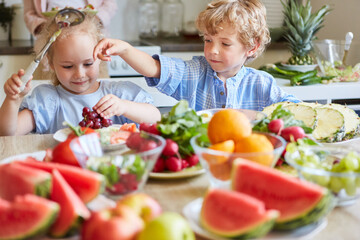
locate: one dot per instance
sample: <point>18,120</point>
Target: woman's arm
<point>106,10</point>
<point>32,19</point>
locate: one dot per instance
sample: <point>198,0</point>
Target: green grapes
<point>346,169</point>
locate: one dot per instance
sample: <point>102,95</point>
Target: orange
<point>219,166</point>
<point>228,124</point>
<point>226,146</point>
<point>258,146</point>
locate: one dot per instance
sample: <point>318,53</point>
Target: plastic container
<point>172,13</point>
<point>149,20</point>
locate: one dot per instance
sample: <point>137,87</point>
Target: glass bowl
<point>329,55</point>
<point>125,170</point>
<point>336,168</point>
<point>254,116</point>
<point>218,164</point>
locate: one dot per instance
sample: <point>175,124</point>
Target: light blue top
<point>196,82</point>
<point>52,105</point>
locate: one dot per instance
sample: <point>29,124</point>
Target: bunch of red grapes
<point>170,158</point>
<point>93,120</point>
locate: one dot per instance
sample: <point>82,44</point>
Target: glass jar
<point>149,12</point>
<point>172,12</point>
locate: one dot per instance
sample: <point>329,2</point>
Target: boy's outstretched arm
<point>140,61</point>
<point>13,122</point>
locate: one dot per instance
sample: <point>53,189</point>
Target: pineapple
<point>300,28</point>
<point>307,114</point>
<point>352,120</point>
<point>331,125</point>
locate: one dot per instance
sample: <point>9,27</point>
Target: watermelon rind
<point>26,179</point>
<point>72,212</point>
<point>326,204</point>
<point>24,205</point>
<point>87,184</point>
<point>235,215</point>
<point>299,202</point>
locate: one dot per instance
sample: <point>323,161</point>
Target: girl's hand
<point>107,47</point>
<point>110,105</point>
<point>13,84</point>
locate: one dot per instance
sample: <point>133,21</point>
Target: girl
<point>75,86</point>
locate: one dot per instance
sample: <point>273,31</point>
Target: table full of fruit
<point>57,197</point>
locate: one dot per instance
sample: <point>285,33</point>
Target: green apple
<point>168,225</point>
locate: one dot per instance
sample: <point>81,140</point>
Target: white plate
<point>346,142</point>
<point>300,68</point>
<point>100,202</point>
<point>62,134</point>
<point>192,212</point>
<point>176,175</point>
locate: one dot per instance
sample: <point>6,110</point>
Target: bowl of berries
<point>125,170</point>
<point>333,167</point>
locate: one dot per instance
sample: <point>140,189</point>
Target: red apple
<point>112,224</point>
<point>145,206</point>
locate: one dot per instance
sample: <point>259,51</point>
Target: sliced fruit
<point>352,120</point>
<point>269,109</point>
<point>131,127</point>
<point>27,216</point>
<point>87,184</point>
<point>236,215</point>
<point>331,125</point>
<point>19,180</point>
<point>307,114</point>
<point>299,202</point>
<point>72,210</point>
<point>119,136</point>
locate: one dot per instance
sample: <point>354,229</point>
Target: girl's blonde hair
<point>91,26</point>
<point>248,17</point>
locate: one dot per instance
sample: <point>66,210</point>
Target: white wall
<point>345,17</point>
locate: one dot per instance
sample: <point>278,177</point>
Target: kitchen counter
<point>179,44</point>
<point>16,47</point>
<point>173,195</point>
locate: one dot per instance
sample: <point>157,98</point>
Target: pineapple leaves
<point>300,27</point>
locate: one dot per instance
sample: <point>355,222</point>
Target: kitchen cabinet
<point>10,64</point>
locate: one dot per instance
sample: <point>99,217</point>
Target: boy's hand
<point>107,47</point>
<point>110,105</point>
<point>13,84</point>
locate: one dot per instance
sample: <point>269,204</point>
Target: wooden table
<point>173,195</point>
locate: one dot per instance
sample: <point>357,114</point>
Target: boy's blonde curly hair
<point>248,17</point>
<point>90,26</point>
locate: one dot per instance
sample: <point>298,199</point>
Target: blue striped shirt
<point>196,82</point>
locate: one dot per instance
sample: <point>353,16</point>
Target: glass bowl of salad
<point>329,54</point>
<point>336,168</point>
<point>125,170</point>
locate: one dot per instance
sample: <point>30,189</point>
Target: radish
<point>159,165</point>
<point>134,141</point>
<point>192,160</point>
<point>173,164</point>
<point>293,133</point>
<point>276,125</point>
<point>171,148</point>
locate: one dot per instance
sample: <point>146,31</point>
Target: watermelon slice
<point>72,210</point>
<point>28,216</point>
<point>299,202</point>
<point>87,184</point>
<point>19,180</point>
<point>236,215</point>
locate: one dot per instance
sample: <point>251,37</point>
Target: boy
<point>234,33</point>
